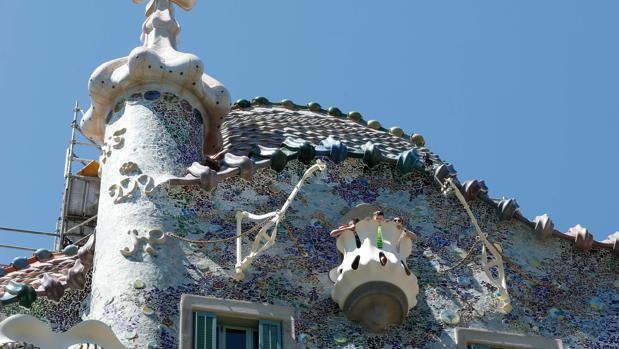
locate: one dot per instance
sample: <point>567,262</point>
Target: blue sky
<point>522,94</point>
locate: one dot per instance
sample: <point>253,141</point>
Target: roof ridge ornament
<point>160,27</point>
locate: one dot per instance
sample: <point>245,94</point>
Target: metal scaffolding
<point>78,216</point>
<point>81,193</point>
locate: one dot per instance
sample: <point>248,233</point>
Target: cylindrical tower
<point>155,113</point>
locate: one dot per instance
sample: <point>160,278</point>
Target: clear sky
<point>522,94</point>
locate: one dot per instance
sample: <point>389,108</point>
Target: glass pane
<point>236,339</point>
<point>209,328</point>
<point>204,331</point>
<point>200,332</point>
<point>275,337</point>
<point>270,337</point>
<point>256,342</point>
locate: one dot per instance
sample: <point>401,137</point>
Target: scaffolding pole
<point>70,158</point>
<point>17,248</point>
<point>13,230</point>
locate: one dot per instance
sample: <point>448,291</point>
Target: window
<point>238,337</point>
<point>270,335</point>
<point>213,323</point>
<point>224,332</point>
<point>204,330</point>
<point>467,338</point>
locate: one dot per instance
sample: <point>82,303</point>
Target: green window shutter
<point>270,334</point>
<point>204,330</point>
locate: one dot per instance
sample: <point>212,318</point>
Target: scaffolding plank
<point>83,197</point>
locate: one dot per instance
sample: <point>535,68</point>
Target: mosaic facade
<point>176,118</point>
<point>576,300</point>
<point>556,290</point>
<point>565,305</point>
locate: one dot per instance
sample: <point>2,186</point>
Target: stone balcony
<point>373,286</point>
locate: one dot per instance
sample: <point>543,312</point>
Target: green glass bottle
<point>379,237</point>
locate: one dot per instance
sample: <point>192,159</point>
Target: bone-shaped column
<point>155,113</point>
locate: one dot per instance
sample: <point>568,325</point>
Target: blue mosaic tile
<point>152,95</point>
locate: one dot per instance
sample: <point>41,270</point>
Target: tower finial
<point>160,27</point>
<point>152,4</point>
<point>158,65</point>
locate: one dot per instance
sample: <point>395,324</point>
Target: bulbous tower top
<point>157,64</point>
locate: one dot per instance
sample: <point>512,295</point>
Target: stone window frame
<point>466,336</point>
<point>234,308</point>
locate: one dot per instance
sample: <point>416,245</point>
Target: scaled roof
<point>269,126</point>
<point>46,274</point>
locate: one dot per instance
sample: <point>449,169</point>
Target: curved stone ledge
<point>28,329</point>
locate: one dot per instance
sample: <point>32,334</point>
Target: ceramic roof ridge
<point>542,226</point>
<point>276,159</point>
<point>51,272</point>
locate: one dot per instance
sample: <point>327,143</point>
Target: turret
<point>155,113</point>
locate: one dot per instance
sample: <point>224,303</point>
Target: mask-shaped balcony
<point>373,286</point>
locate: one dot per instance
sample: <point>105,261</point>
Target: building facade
<point>213,232</point>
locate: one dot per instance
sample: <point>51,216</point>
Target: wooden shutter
<point>270,334</point>
<point>204,330</point>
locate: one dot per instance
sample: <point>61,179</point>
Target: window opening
<point>225,332</point>
<point>408,271</point>
<point>355,263</point>
<point>357,240</point>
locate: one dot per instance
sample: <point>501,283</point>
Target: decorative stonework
<point>264,239</point>
<point>152,238</point>
<point>129,168</point>
<point>583,239</point>
<point>115,141</point>
<point>544,227</point>
<point>283,275</point>
<point>28,329</point>
<point>157,64</point>
<point>128,188</point>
